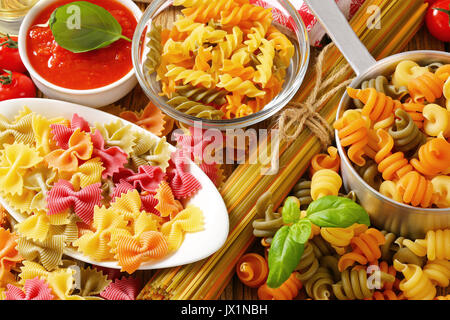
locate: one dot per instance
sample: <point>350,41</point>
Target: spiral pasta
<point>240,86</point>
<point>436,120</point>
<point>353,132</point>
<point>268,221</point>
<point>325,182</point>
<point>287,291</point>
<point>416,285</point>
<point>441,189</point>
<point>406,71</point>
<point>193,108</point>
<point>438,271</point>
<point>377,106</point>
<point>308,264</point>
<point>427,86</point>
<point>245,12</point>
<point>434,246</point>
<point>366,248</point>
<point>406,134</point>
<point>340,238</point>
<point>153,57</point>
<point>434,157</point>
<point>252,270</point>
<point>370,174</point>
<point>354,284</point>
<point>416,189</point>
<point>325,161</point>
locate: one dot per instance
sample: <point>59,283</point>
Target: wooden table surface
<point>136,100</point>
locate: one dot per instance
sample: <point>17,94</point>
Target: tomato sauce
<point>87,70</point>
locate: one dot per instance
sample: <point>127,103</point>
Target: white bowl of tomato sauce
<point>95,78</point>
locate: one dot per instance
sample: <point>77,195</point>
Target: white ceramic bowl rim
<point>356,82</point>
<point>276,104</point>
<point>31,15</point>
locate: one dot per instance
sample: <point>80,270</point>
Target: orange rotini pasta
<point>287,291</point>
<point>325,161</point>
<point>252,270</point>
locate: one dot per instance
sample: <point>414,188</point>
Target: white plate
<point>196,246</point>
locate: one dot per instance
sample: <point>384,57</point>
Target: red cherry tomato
<point>438,20</point>
<point>16,85</point>
<point>9,55</point>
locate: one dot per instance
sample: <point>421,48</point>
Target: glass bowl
<point>12,13</point>
<point>163,10</point>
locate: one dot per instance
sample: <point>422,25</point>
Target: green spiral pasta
<point>308,264</point>
<point>153,57</point>
<point>353,284</point>
<point>302,190</point>
<point>407,136</point>
<point>321,247</point>
<point>331,263</point>
<point>268,221</point>
<point>393,249</point>
<point>319,286</point>
<point>381,84</point>
<point>200,94</point>
<point>194,108</point>
<point>370,174</point>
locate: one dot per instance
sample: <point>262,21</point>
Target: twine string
<point>301,114</point>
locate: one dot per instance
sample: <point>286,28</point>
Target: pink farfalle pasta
<point>112,158</point>
<point>147,178</point>
<point>62,197</point>
<point>33,289</point>
<point>183,183</point>
<point>122,289</point>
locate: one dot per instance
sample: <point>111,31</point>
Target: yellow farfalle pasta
<point>48,252</point>
<point>188,220</point>
<point>20,130</point>
<point>88,173</point>
<point>42,133</point>
<point>116,134</point>
<point>150,151</point>
<point>325,182</point>
<point>95,244</point>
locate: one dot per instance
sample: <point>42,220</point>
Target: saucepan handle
<point>343,36</point>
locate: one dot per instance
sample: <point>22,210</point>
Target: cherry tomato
<point>16,85</point>
<point>438,20</point>
<point>9,55</point>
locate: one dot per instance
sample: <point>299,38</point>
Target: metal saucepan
<point>385,213</point>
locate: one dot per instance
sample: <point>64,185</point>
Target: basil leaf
<point>291,210</point>
<point>81,26</point>
<point>286,251</point>
<point>336,212</point>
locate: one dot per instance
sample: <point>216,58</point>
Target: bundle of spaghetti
<point>434,246</point>
<point>427,87</point>
<point>325,161</point>
<point>207,279</point>
<point>287,291</point>
<point>434,157</point>
<point>353,131</point>
<point>365,249</point>
<point>416,285</point>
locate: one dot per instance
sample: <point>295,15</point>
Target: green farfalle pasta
<point>116,134</point>
<point>150,151</point>
<point>48,252</point>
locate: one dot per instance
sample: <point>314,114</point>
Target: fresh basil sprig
<point>81,26</point>
<point>288,243</point>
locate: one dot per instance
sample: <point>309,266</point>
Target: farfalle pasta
<point>215,50</point>
<point>405,135</point>
<point>108,191</point>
